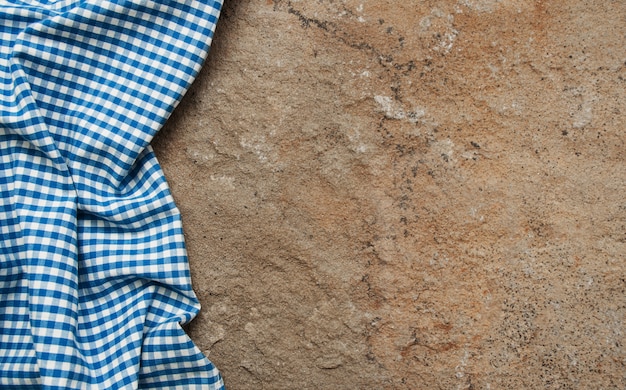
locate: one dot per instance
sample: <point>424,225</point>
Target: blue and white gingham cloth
<point>94,279</point>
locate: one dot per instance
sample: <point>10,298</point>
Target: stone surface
<point>415,194</point>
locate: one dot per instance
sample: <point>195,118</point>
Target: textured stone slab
<point>415,194</point>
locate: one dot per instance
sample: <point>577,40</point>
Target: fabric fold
<point>94,278</point>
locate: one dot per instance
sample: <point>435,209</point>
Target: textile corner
<point>94,277</point>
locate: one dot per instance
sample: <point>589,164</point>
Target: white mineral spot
<point>584,116</point>
<point>393,109</point>
<point>387,105</point>
<point>480,5</point>
<point>256,147</point>
<point>250,328</point>
<point>447,41</point>
<point>227,181</point>
<point>355,140</point>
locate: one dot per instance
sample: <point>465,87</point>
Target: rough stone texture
<point>408,194</point>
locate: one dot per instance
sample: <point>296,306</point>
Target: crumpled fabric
<point>94,276</point>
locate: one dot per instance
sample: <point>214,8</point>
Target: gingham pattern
<point>94,280</point>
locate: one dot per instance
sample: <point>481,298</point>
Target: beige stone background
<point>408,194</point>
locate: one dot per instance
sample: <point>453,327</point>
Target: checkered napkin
<point>94,279</point>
